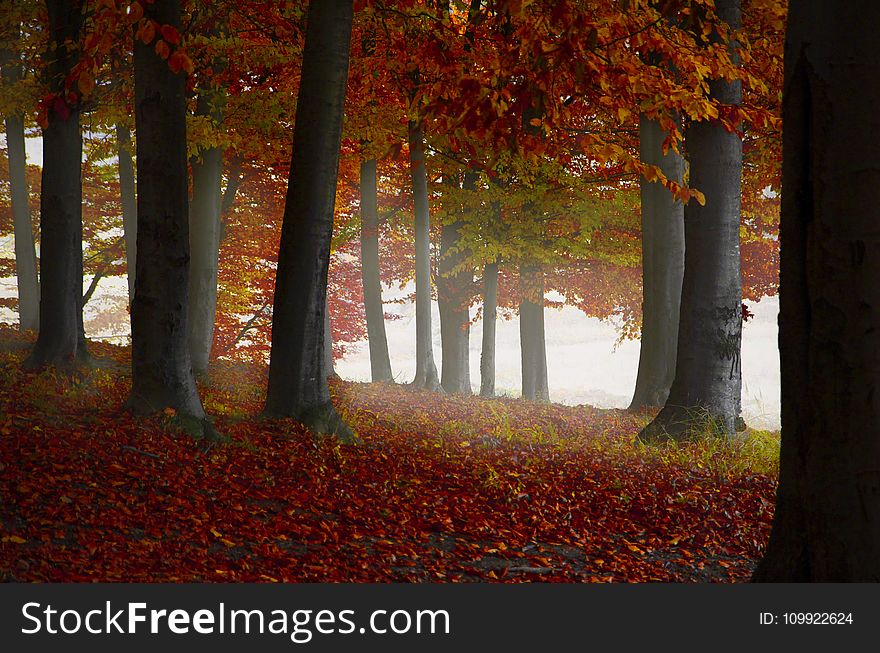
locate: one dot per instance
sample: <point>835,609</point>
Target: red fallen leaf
<point>285,508</point>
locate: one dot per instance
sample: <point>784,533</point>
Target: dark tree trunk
<point>380,362</point>
<point>204,239</point>
<point>533,346</point>
<point>454,288</point>
<point>426,370</point>
<point>25,253</point>
<point>297,371</point>
<point>662,270</point>
<point>490,315</point>
<point>60,342</point>
<point>827,522</point>
<point>129,203</point>
<point>706,394</point>
<point>161,368</point>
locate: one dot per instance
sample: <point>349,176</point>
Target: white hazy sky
<point>585,365</point>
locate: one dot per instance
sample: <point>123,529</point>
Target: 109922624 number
<point>816,618</point>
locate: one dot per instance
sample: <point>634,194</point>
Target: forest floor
<point>442,488</point>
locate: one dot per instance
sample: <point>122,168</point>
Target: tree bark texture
<point>490,316</point>
<point>380,361</point>
<point>204,239</point>
<point>706,393</point>
<point>827,522</point>
<point>128,193</point>
<point>454,288</point>
<point>298,370</point>
<point>532,343</point>
<point>426,370</point>
<point>161,367</point>
<point>662,270</point>
<point>204,230</point>
<point>533,347</point>
<point>25,253</point>
<point>59,343</point>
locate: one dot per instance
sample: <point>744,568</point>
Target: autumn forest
<point>267,181</point>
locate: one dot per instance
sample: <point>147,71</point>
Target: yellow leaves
<point>701,109</point>
<point>697,195</point>
<point>623,114</point>
<point>608,152</point>
<point>711,111</point>
<point>86,82</point>
<point>224,541</point>
<point>653,174</point>
<point>516,6</point>
<point>703,70</point>
<point>15,539</point>
<point>632,547</point>
<point>203,133</point>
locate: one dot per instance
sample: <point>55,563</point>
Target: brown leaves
<point>443,488</point>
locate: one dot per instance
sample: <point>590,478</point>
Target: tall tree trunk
<point>161,368</point>
<point>426,371</point>
<point>827,522</point>
<point>490,315</point>
<point>533,346</point>
<point>380,362</point>
<point>204,232</point>
<point>297,371</point>
<point>204,248</point>
<point>706,393</point>
<point>128,195</point>
<point>204,239</point>
<point>532,343</point>
<point>662,270</point>
<point>454,288</point>
<point>59,343</point>
<point>25,253</point>
<point>454,314</point>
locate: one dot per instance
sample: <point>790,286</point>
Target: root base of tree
<point>680,424</point>
<point>324,420</point>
